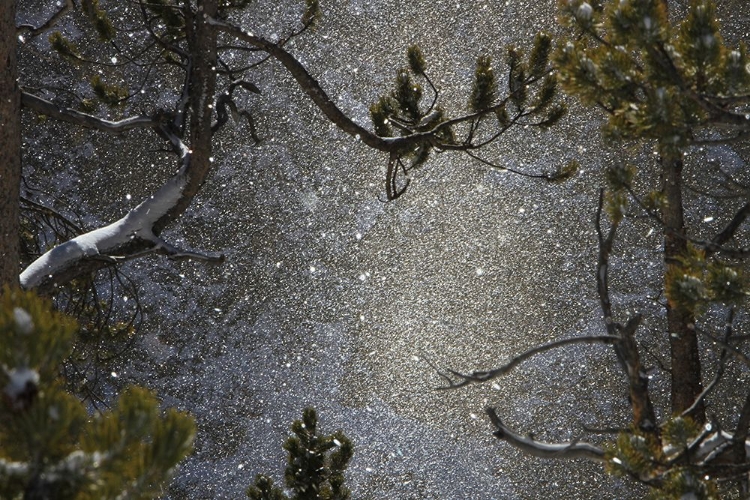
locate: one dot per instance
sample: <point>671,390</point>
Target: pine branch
<point>47,108</point>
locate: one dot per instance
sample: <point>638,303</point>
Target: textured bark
<point>683,341</point>
<point>10,146</point>
<point>201,38</point>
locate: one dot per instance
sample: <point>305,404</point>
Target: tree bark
<point>150,218</point>
<point>201,38</point>
<point>10,146</point>
<point>683,341</point>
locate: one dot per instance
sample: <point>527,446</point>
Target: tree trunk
<point>71,262</point>
<point>201,38</point>
<point>10,146</point>
<point>683,342</point>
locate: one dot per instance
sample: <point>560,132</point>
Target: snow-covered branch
<point>570,450</point>
<point>483,376</point>
<point>49,23</point>
<point>137,233</point>
<point>47,108</point>
<point>131,236</point>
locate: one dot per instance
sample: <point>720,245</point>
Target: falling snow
<point>332,298</point>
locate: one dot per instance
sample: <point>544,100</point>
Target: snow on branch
<point>47,108</point>
<point>49,23</point>
<point>109,244</point>
<point>570,450</point>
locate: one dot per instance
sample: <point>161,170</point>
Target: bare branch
<point>391,178</point>
<point>728,232</point>
<point>546,177</point>
<point>47,108</point>
<point>627,349</point>
<point>719,370</point>
<point>739,445</point>
<point>309,85</point>
<point>484,376</point>
<point>49,24</point>
<point>735,352</point>
<point>567,451</point>
<point>602,274</point>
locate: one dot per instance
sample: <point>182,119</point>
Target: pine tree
<point>669,88</point>
<point>674,86</point>
<point>50,446</point>
<point>316,465</point>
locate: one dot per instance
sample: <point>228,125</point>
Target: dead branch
<point>484,376</point>
<point>47,108</point>
<point>567,451</point>
<point>720,370</point>
<point>49,23</point>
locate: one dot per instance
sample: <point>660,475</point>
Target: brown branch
<point>313,89</point>
<point>602,274</point>
<point>627,349</point>
<point>200,93</point>
<point>392,190</point>
<point>484,376</point>
<point>310,86</point>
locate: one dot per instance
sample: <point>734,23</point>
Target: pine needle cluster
<point>50,446</point>
<point>646,73</point>
<point>315,468</point>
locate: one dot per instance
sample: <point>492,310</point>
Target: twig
<point>484,376</point>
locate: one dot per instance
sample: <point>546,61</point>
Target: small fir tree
<point>316,465</point>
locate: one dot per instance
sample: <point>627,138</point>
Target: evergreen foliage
<point>50,447</point>
<point>658,82</point>
<point>312,12</point>
<point>649,76</point>
<point>316,465</point>
<point>417,63</point>
<point>663,462</point>
<point>530,100</point>
<point>109,94</point>
<point>672,85</point>
<point>99,20</point>
<point>169,13</point>
<point>485,87</point>
<point>63,46</point>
